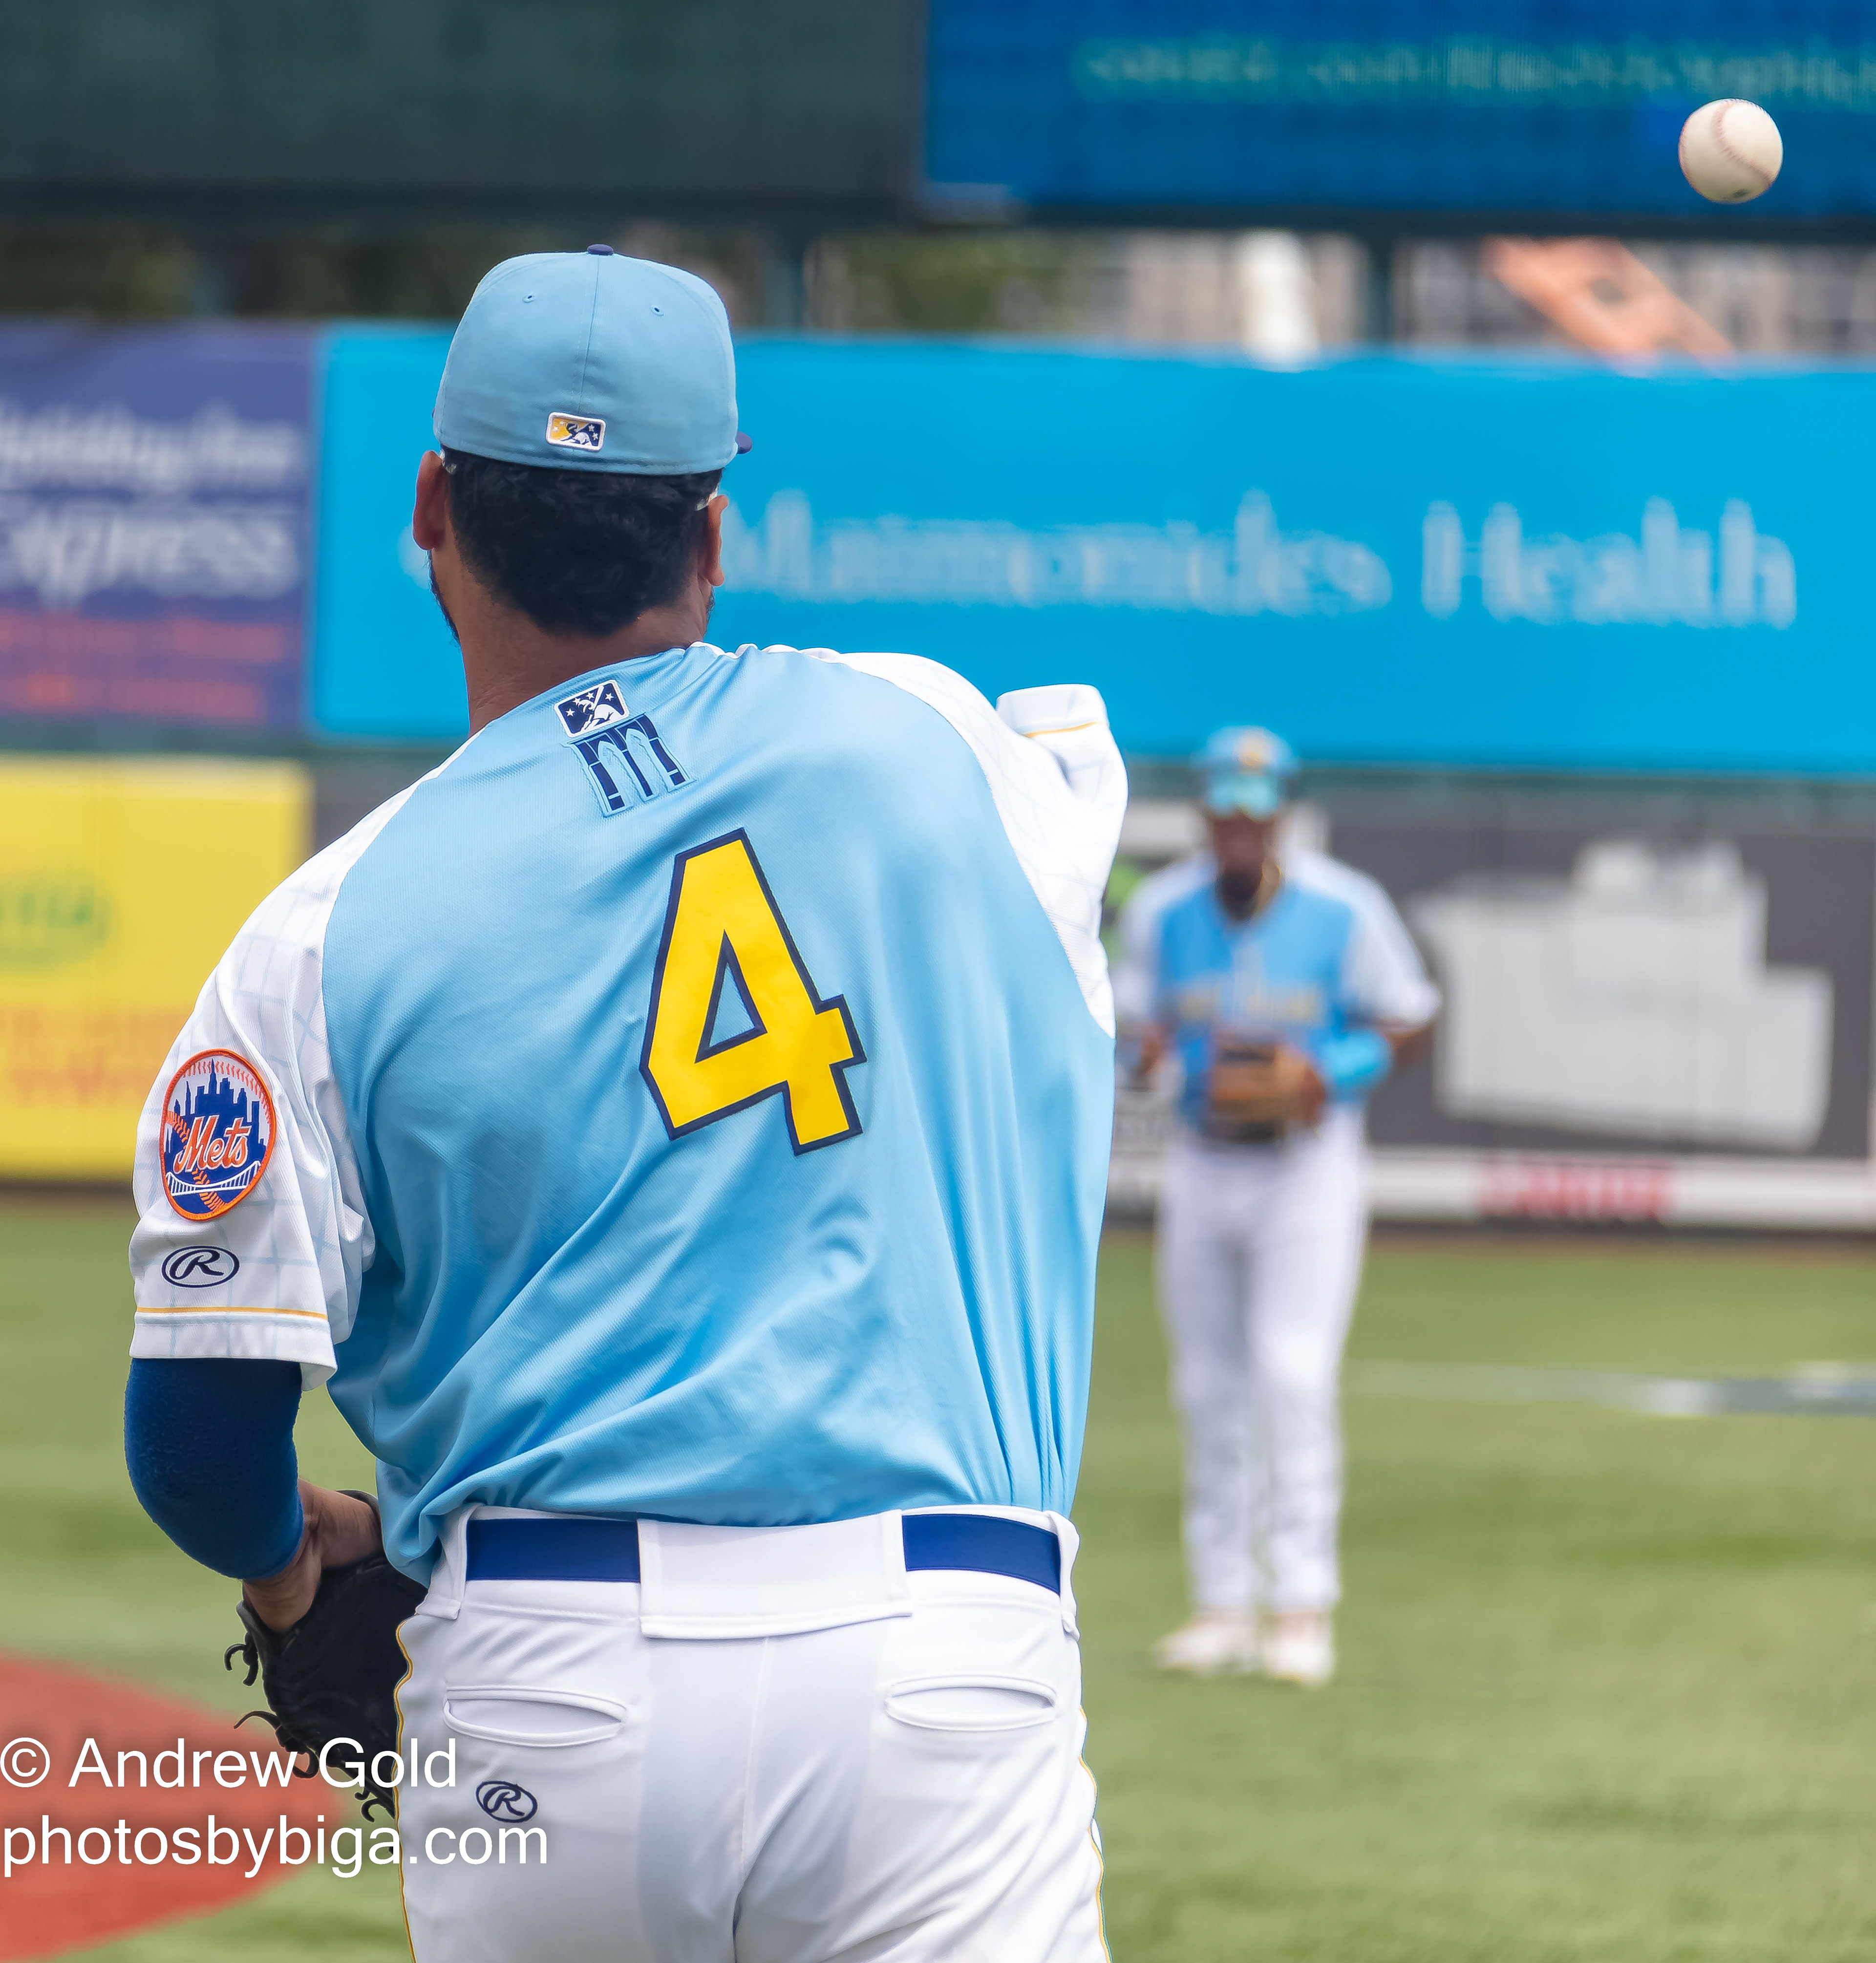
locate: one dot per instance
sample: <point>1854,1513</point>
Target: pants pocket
<point>970,1703</point>
<point>506,1713</point>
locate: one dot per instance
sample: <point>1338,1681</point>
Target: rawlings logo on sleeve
<point>201,1267</point>
<point>218,1133</point>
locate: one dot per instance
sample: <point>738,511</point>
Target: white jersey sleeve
<point>1137,981</point>
<point>262,1264</point>
<point>1059,786</point>
<point>1384,980</point>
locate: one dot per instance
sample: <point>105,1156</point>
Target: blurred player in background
<point>1284,989</point>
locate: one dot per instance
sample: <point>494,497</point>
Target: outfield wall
<point>1657,1001</point>
<point>1578,656</point>
<point>1520,564</point>
<point>122,880</point>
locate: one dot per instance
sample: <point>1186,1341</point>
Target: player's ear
<point>429,520</point>
<point>710,550</point>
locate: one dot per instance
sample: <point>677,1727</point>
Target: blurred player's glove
<point>334,1673</point>
<point>1259,1090</point>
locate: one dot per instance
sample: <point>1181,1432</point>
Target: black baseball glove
<point>334,1672</point>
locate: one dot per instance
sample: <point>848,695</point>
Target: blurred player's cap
<point>1247,771</point>
<point>592,361</point>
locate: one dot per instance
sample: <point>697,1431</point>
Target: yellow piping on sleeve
<point>311,1314</point>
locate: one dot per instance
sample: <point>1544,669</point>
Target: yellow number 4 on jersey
<point>724,932</point>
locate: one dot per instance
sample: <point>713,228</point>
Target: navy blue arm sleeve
<point>209,1443</point>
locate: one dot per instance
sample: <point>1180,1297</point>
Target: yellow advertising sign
<point>122,881</point>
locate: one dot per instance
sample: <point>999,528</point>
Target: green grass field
<point>1609,1691</point>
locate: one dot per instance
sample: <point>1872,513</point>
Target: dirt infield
<point>51,1903</point>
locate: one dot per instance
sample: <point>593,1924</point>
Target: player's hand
<point>1282,1086</point>
<point>1303,1085</point>
<point>1149,1052</point>
<point>339,1530</point>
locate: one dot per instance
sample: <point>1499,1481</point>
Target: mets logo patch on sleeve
<point>567,431</point>
<point>218,1133</point>
<point>592,708</point>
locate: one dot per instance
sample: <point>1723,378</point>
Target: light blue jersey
<point>1326,955</point>
<point>692,1100</point>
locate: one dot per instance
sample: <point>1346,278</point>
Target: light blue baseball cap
<point>1246,769</point>
<point>592,361</point>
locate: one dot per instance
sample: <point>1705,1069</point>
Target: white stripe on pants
<point>1259,1257</point>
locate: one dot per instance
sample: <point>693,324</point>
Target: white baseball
<point>1730,150</point>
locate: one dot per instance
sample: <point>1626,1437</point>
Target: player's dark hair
<point>578,552</point>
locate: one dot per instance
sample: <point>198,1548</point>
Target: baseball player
<point>1284,990</point>
<point>676,1129</point>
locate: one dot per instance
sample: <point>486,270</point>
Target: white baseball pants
<point>900,1782</point>
<point>1259,1257</point>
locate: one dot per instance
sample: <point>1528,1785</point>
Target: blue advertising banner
<point>384,665</point>
<point>154,537</point>
<point>1518,564</point>
<point>1499,106</point>
<point>1528,563</point>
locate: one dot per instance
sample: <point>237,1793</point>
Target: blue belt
<point>585,1550</point>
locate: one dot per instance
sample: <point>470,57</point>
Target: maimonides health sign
<point>154,524</point>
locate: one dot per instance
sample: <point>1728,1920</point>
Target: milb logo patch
<point>567,431</point>
<point>218,1133</point>
<point>591,709</point>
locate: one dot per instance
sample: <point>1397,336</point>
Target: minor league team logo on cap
<point>567,431</point>
<point>218,1133</point>
<point>592,708</point>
